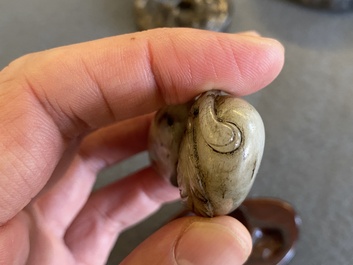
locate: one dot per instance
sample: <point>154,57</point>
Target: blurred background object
<point>307,110</point>
<point>203,14</point>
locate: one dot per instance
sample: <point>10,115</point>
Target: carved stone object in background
<point>204,14</point>
<point>336,5</point>
<point>212,148</point>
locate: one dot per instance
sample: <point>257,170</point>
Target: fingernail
<point>211,243</point>
<point>250,33</point>
<point>259,40</point>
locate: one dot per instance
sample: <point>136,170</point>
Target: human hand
<point>69,112</point>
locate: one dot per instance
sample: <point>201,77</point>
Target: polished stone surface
<point>212,146</point>
<point>307,111</point>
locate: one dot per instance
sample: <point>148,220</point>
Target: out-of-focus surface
<point>307,111</point>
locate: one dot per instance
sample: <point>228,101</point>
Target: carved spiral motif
<point>211,148</point>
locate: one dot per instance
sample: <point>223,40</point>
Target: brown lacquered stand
<point>274,226</point>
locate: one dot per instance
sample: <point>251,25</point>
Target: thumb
<point>195,240</point>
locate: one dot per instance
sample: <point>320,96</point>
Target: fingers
<point>92,84</point>
<point>112,144</point>
<point>60,203</point>
<point>51,97</point>
<point>195,240</point>
<point>112,209</point>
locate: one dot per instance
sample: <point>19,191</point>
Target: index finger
<point>125,76</point>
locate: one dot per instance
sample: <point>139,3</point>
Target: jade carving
<point>211,148</point>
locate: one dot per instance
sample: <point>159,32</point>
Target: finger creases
<point>113,209</point>
<point>195,240</point>
<point>91,84</point>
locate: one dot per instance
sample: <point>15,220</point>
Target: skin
<point>69,112</point>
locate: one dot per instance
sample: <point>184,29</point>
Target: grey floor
<point>307,111</point>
